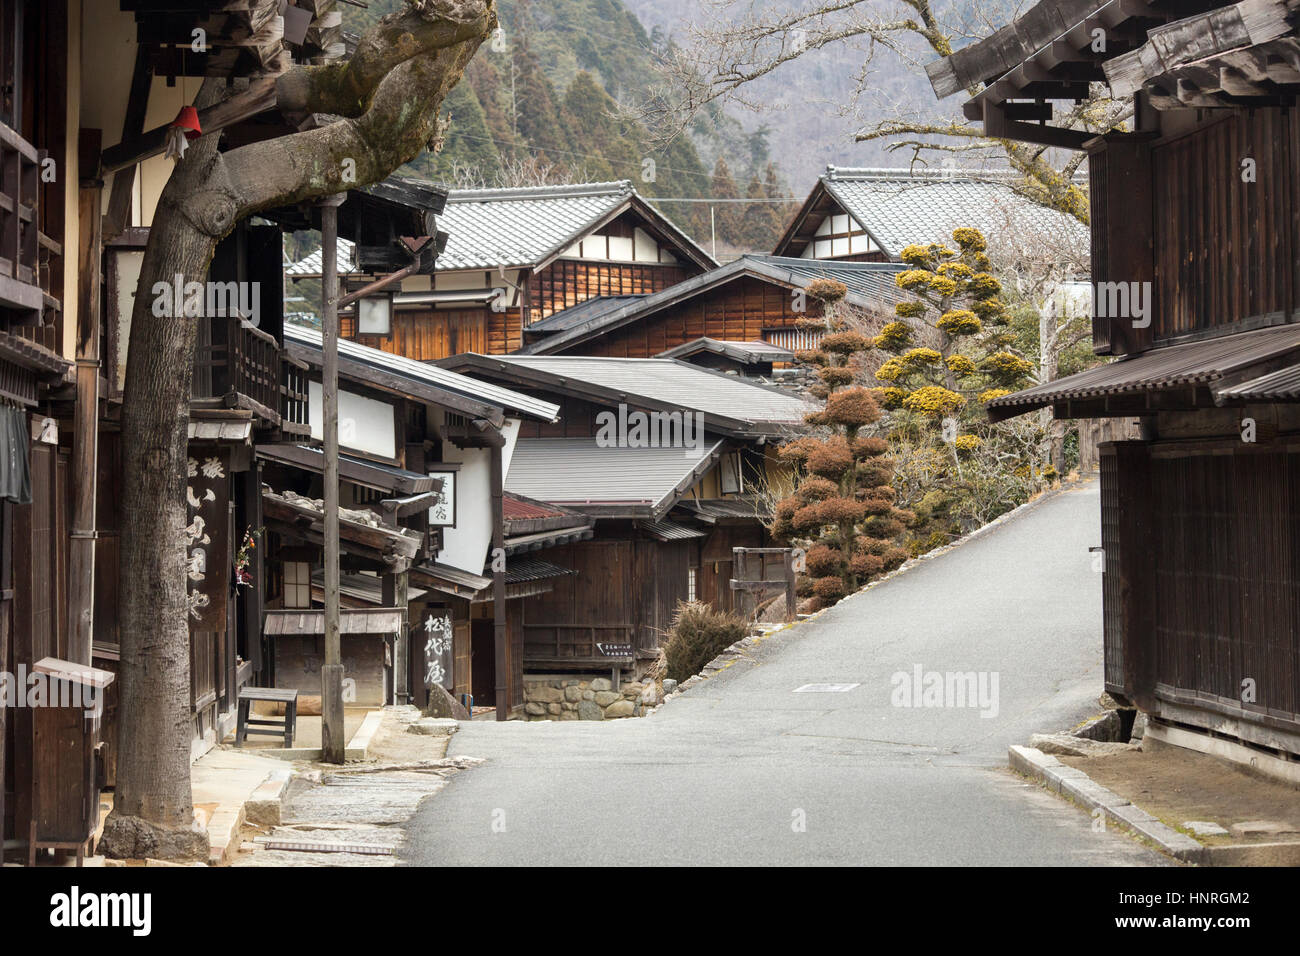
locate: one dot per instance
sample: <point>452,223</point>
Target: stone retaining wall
<point>583,697</point>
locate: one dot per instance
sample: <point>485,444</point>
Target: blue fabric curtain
<point>15,465</point>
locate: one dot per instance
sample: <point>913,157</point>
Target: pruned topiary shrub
<point>698,635</point>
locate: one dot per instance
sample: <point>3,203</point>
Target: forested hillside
<point>540,103</point>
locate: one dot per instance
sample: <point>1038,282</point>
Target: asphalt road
<point>743,770</point>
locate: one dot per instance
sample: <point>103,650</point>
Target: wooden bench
<point>277,695</point>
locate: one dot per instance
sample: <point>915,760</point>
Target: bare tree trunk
<point>153,814</point>
<point>389,92</point>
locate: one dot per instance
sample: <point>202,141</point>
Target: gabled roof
<point>607,481</point>
<point>737,351</point>
<point>899,207</point>
<point>593,308</point>
<point>730,405</point>
<point>420,379</point>
<point>870,284</point>
<point>528,227</point>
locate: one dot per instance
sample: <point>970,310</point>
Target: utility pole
<point>331,677</point>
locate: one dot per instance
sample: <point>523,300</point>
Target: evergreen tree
<point>842,509</point>
<point>728,216</point>
<point>937,389</point>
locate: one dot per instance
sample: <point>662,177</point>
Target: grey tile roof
<point>521,227</point>
<point>1282,385</point>
<point>686,386</point>
<point>870,285</point>
<point>428,374</point>
<point>898,207</point>
<point>739,351</point>
<point>577,472</point>
<point>513,228</point>
<point>1203,363</point>
<point>593,308</point>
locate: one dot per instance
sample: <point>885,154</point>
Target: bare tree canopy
<point>732,44</point>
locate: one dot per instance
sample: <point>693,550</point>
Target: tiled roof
<point>427,374</point>
<point>513,228</point>
<point>1206,363</point>
<point>739,351</point>
<point>869,284</point>
<point>680,384</point>
<point>593,308</point>
<point>899,207</point>
<point>578,472</point>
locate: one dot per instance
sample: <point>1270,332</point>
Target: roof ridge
<point>925,174</point>
<point>617,187</point>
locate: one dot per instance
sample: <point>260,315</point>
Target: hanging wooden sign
<point>207,539</point>
<point>436,632</point>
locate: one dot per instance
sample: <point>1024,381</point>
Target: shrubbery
<point>698,635</point>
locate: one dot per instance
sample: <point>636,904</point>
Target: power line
<point>535,150</point>
<point>712,201</point>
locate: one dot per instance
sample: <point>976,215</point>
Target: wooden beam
<point>998,126</point>
<point>260,97</point>
<point>137,105</point>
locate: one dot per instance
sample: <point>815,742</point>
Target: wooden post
<point>395,592</point>
<point>499,589</point>
<point>6,609</point>
<point>85,443</point>
<point>332,729</point>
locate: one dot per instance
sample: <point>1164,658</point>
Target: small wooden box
<point>65,786</point>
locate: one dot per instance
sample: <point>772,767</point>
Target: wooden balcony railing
<point>24,284</point>
<point>293,398</point>
<point>240,365</point>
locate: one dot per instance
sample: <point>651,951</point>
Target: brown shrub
<point>698,635</point>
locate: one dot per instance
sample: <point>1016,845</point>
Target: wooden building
<point>871,215</point>
<point>667,503</point>
<point>755,299</point>
<point>514,257</point>
<point>1196,263</point>
<point>424,452</point>
<point>88,90</point>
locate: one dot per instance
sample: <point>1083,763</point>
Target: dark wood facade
<point>431,332</point>
<point>748,309</point>
<point>1198,212</point>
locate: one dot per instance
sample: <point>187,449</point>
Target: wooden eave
<point>394,547</point>
<point>537,378</point>
<point>358,472</point>
<point>1016,104</point>
<point>820,203</point>
<point>398,385</point>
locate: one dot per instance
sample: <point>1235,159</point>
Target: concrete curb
<point>1078,786</point>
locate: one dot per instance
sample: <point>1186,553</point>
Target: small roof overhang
<point>1192,375</point>
<point>356,620</point>
<point>453,582</point>
<point>369,474</point>
<point>364,588</point>
<point>737,351</point>
<point>304,519</point>
<point>664,530</point>
<point>519,544</point>
<point>235,426</point>
<point>743,509</point>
